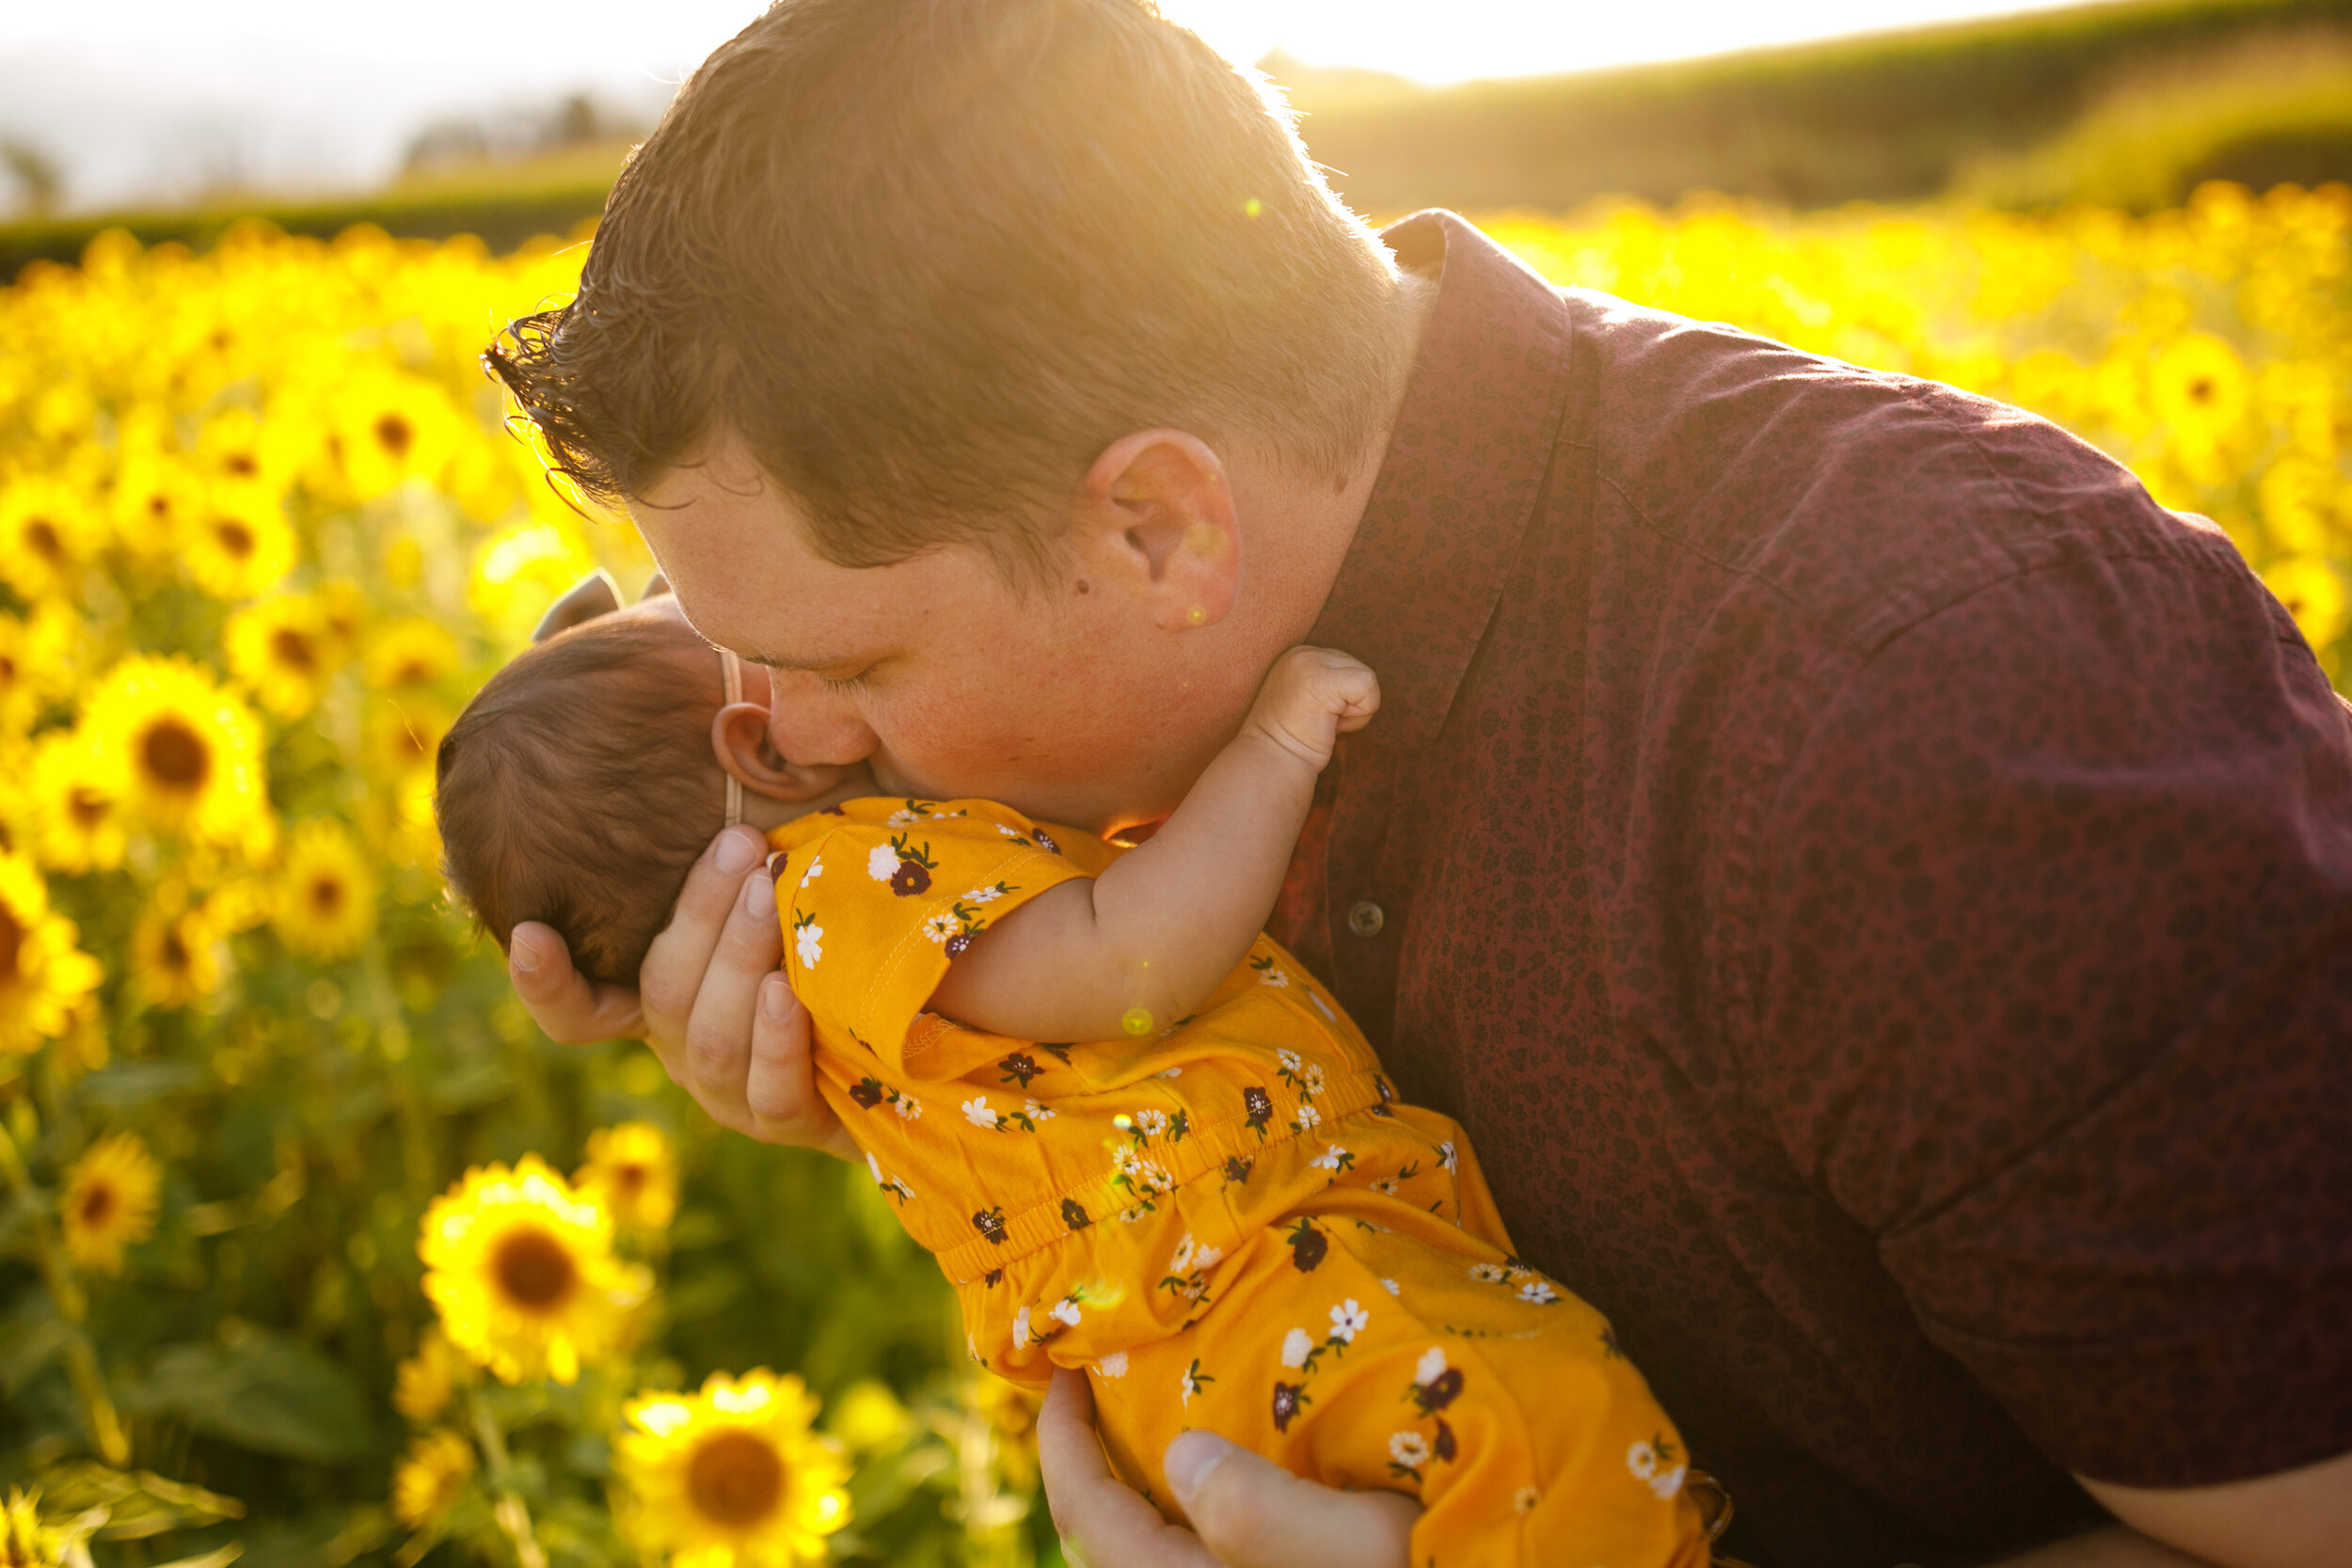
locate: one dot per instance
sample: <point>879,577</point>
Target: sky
<point>151,99</point>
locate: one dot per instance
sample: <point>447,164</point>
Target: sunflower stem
<point>512,1512</point>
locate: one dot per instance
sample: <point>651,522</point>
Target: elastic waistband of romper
<point>1035,1228</point>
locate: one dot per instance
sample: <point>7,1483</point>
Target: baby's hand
<point>1310,698</point>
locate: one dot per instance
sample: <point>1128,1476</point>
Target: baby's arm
<point>1171,917</point>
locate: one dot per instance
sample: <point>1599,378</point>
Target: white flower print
<point>1020,1328</point>
<point>875,1165</point>
<point>908,1107</point>
<point>1038,1111</point>
<point>1191,1381</point>
<point>1289,1059</point>
<point>1386,1184</point>
<point>904,819</point>
<point>984,894</point>
<point>1066,1312</point>
<point>1172,1072</point>
<point>1307,1116</point>
<point>1347,1320</point>
<point>1296,1347</point>
<point>978,1113</point>
<point>942,925</point>
<point>1408,1450</point>
<point>1113,1365</point>
<point>1535,1292</point>
<point>1206,1258</point>
<point>808,942</point>
<point>1647,1460</point>
<point>882,862</point>
<point>1273,977</point>
<point>1432,1365</point>
<point>1489,1273</point>
<point>1152,1123</point>
<point>1332,1158</point>
<point>1390,1286</point>
<point>1525,1500</point>
<point>1314,1078</point>
<point>1445,1154</point>
<point>1015,832</point>
<point>1181,1260</point>
<point>815,869</point>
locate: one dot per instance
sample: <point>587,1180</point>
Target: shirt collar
<point>1465,467</point>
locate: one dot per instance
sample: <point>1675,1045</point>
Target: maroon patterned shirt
<point>1879,892</point>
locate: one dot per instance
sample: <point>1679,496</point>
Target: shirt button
<point>1366,918</point>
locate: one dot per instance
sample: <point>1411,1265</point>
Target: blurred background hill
<point>2128,104</point>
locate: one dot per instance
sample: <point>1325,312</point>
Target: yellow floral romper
<point>1227,1222</point>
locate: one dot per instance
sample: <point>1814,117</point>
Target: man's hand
<point>1250,1514</point>
<point>712,1003</point>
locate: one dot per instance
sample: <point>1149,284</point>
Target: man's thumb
<point>1253,1513</point>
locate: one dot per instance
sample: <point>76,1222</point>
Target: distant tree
<point>38,177</point>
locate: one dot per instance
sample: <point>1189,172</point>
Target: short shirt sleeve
<point>878,897</point>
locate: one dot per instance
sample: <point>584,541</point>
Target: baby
<point>1203,1192</point>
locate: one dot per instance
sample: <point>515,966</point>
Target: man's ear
<point>1154,508</point>
<point>739,736</point>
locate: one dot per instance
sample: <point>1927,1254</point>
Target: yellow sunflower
<point>405,734</point>
<point>326,898</point>
<point>408,654</point>
<point>389,427</point>
<point>21,693</point>
<point>43,977</point>
<point>174,953</point>
<point>185,753</point>
<point>631,1168</point>
<point>236,542</point>
<point>281,649</point>
<point>46,533</point>
<point>428,1482</point>
<point>424,1384</point>
<point>522,1272</point>
<point>235,449</point>
<point>109,1200</point>
<point>27,1542</point>
<point>77,807</point>
<point>2313,595</point>
<point>731,1477</point>
<point>155,505</point>
<point>2200,389</point>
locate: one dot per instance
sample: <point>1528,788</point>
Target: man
<point>1869,880</point>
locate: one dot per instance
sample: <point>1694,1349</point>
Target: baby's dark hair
<point>580,785</point>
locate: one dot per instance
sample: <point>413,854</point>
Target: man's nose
<point>813,726</point>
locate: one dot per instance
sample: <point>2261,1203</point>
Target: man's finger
<point>1253,1513</point>
<point>781,1090</point>
<point>571,1009</point>
<point>717,1058</point>
<point>1102,1524</point>
<point>672,978</point>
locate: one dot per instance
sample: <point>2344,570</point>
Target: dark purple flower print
<point>1074,1215</point>
<point>912,877</point>
<point>991,1224</point>
<point>1288,1397</point>
<point>1046,840</point>
<point>867,1092</point>
<point>1307,1247</point>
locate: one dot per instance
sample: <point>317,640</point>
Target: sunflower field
<point>312,1250</point>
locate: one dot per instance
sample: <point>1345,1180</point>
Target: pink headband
<point>731,680</point>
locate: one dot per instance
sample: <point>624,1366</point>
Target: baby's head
<point>586,777</point>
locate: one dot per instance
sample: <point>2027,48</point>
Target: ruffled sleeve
<point>878,897</point>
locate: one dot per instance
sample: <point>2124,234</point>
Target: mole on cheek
<point>1085,587</point>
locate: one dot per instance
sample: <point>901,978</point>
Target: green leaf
<point>267,1393</point>
<point>29,1337</point>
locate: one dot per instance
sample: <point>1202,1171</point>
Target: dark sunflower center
<point>175,755</point>
<point>42,539</point>
<point>735,1478</point>
<point>289,647</point>
<point>11,944</point>
<point>234,537</point>
<point>629,1178</point>
<point>394,434</point>
<point>327,894</point>
<point>97,1204</point>
<point>8,670</point>
<point>241,464</point>
<point>533,1269</point>
<point>175,950</point>
<point>86,806</point>
<point>2201,389</point>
